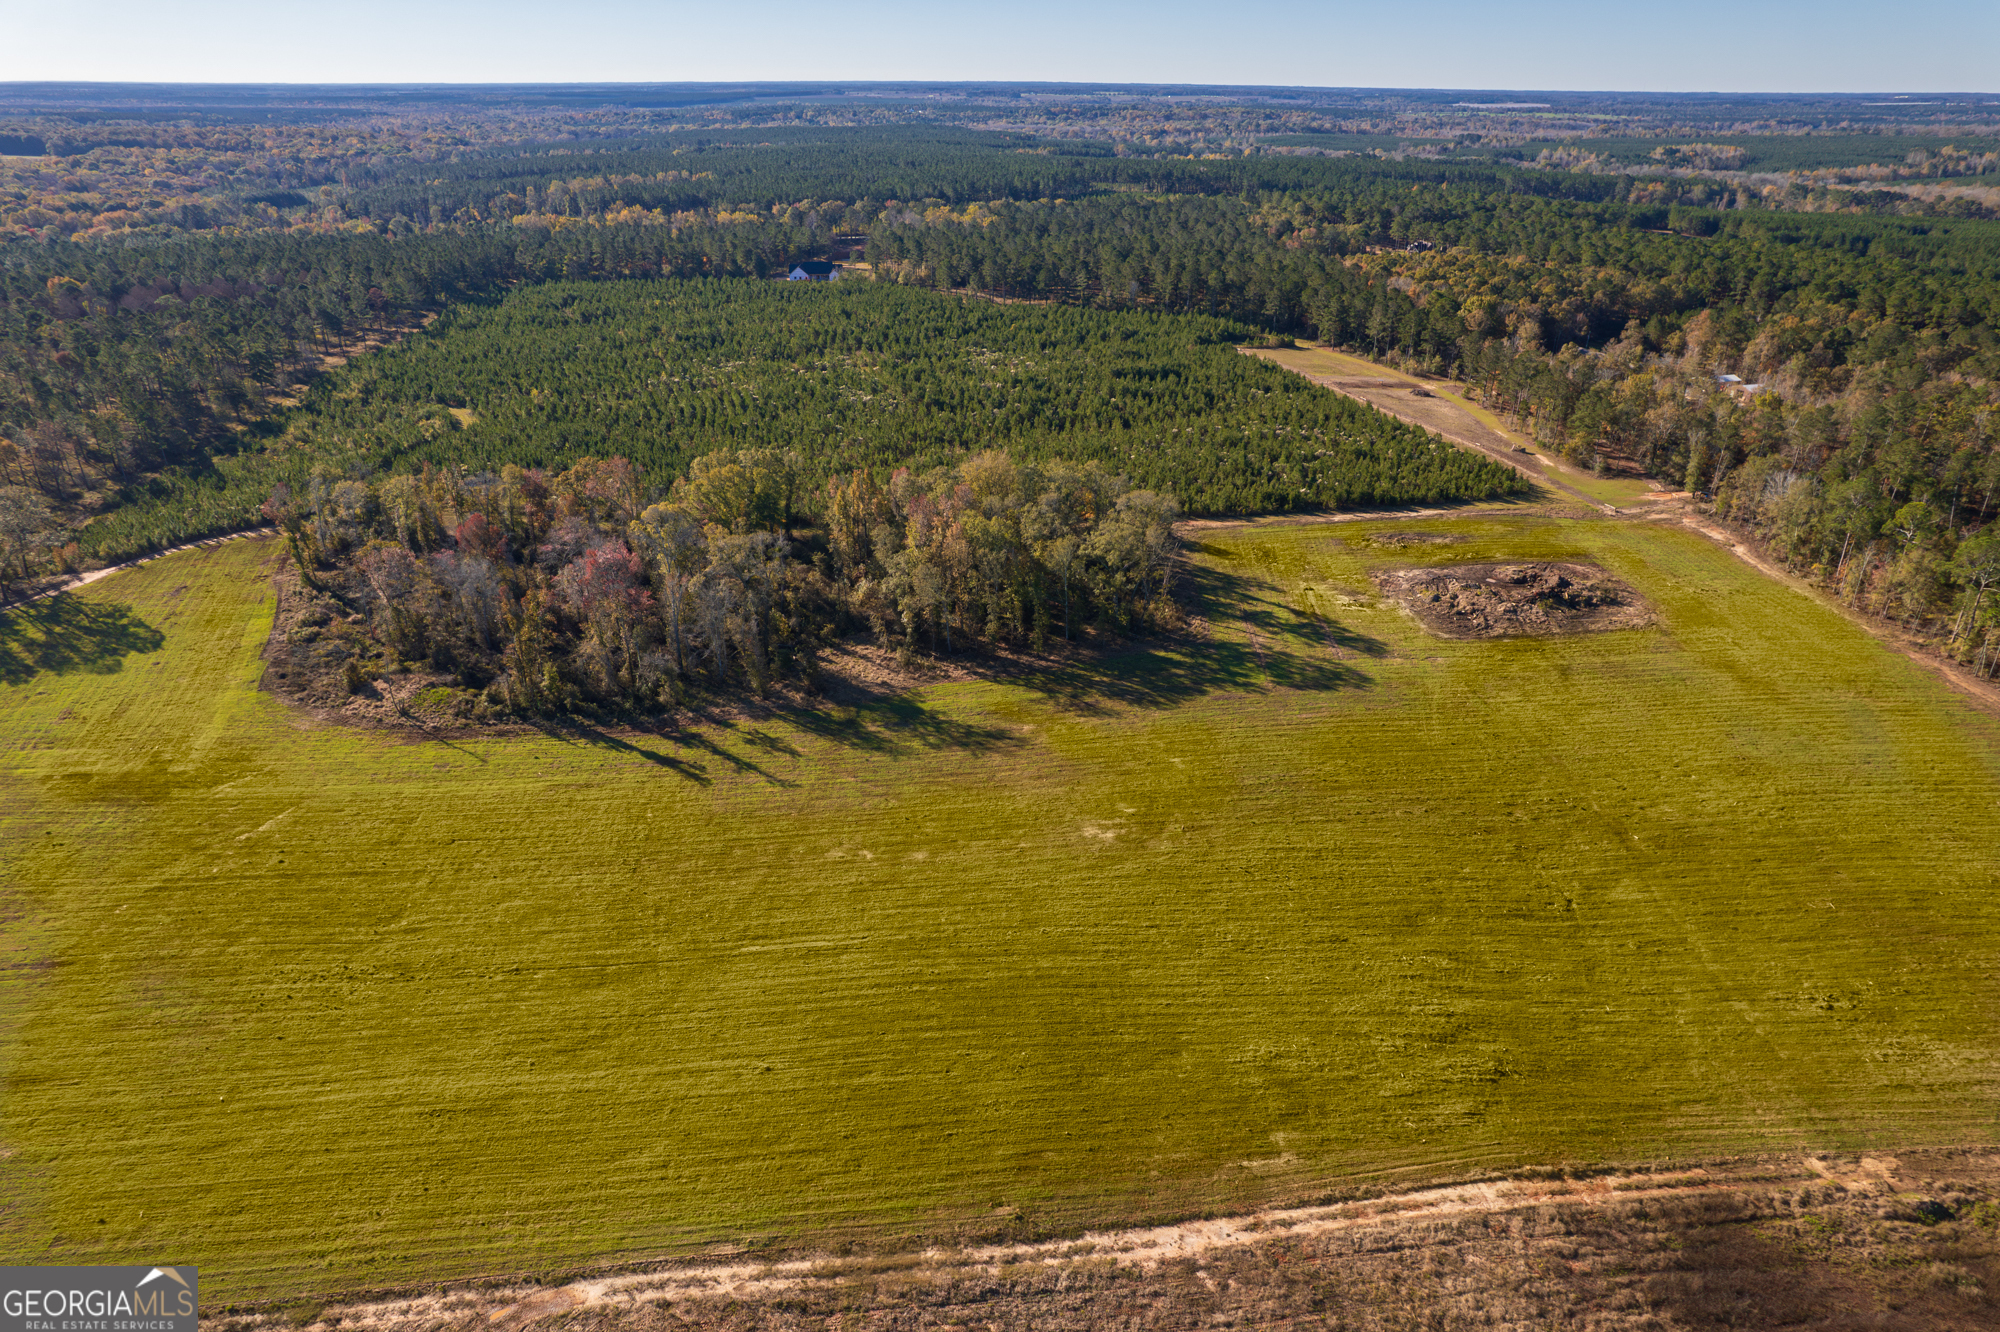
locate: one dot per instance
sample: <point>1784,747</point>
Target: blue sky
<point>1759,45</point>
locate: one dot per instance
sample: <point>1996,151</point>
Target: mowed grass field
<point>1319,901</point>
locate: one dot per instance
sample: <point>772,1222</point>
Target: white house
<point>815,270</point>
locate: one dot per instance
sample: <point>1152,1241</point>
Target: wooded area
<point>1605,312</point>
<point>565,592</point>
<point>872,375</point>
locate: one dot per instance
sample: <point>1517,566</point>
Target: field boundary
<point>75,581</point>
<point>1539,470</point>
<point>735,1280</point>
<point>1983,693</point>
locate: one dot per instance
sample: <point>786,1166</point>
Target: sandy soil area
<point>1436,409</point>
<point>1816,1241</point>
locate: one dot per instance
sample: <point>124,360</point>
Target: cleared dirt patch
<point>1437,408</point>
<point>1819,1242</point>
<point>1536,599</point>
<point>1398,540</point>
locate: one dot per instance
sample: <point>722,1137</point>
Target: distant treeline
<point>1581,271</point>
<point>118,362</point>
<point>1778,152</point>
<point>123,370</point>
<point>758,167</point>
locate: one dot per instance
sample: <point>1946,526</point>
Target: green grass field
<point>1181,929</point>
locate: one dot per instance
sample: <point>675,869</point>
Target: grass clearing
<point>1320,899</point>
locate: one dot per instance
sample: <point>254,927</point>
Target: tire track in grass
<point>97,575</point>
<point>1982,691</point>
<point>1360,865</point>
<point>1141,1250</point>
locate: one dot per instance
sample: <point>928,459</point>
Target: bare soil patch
<point>1192,528</point>
<point>1816,1242</point>
<point>1400,540</point>
<point>1406,398</point>
<point>1538,599</point>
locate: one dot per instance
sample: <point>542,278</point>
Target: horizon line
<point>1065,84</point>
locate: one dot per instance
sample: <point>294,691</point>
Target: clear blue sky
<point>1756,45</point>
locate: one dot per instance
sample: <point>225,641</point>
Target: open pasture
<point>1316,901</point>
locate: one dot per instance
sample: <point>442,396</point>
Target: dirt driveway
<point>1437,407</point>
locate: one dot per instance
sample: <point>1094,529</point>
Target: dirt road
<point>1610,1250</point>
<point>1983,692</point>
<point>84,579</point>
<point>1430,404</point>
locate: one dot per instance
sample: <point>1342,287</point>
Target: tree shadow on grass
<point>881,722</point>
<point>1345,637</point>
<point>65,635</point>
<point>1263,609</point>
<point>579,733</point>
<point>695,739</point>
<point>1282,648</point>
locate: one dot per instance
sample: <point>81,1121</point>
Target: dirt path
<point>1983,693</point>
<point>1482,508</point>
<point>84,579</point>
<point>1429,406</point>
<point>1138,1252</point>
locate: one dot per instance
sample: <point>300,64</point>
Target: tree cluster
<point>540,593</point>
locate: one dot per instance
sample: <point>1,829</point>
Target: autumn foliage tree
<point>548,593</point>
